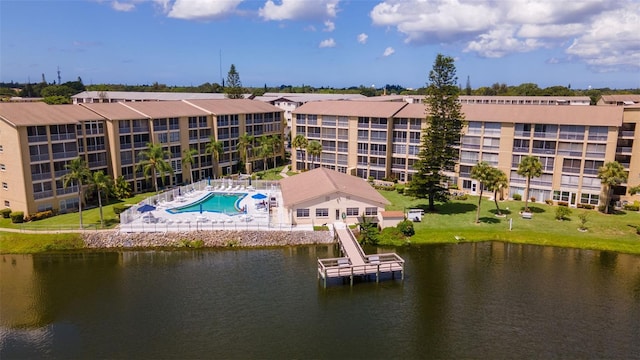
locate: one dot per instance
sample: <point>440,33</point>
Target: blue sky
<point>335,43</point>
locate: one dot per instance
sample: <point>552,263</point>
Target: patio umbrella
<point>259,196</point>
<point>200,208</point>
<point>146,208</point>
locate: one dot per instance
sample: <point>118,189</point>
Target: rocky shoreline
<point>216,238</point>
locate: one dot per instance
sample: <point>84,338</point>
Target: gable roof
<point>351,108</point>
<point>233,106</point>
<point>39,113</point>
<point>114,111</point>
<point>321,182</point>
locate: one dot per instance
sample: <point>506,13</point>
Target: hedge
<point>17,217</point>
<point>5,213</point>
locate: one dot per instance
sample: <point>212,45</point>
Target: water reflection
<point>489,300</point>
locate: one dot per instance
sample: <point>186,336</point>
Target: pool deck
<point>256,217</point>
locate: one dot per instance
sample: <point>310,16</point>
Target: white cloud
<point>201,9</point>
<point>329,26</point>
<point>388,51</point>
<point>499,42</point>
<point>119,6</point>
<point>362,38</point>
<point>328,43</point>
<point>598,32</point>
<point>299,9</point>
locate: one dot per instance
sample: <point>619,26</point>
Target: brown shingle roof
<point>165,109</point>
<point>114,111</point>
<point>39,113</point>
<point>233,106</point>
<point>530,114</point>
<point>321,181</point>
<point>392,214</point>
<point>351,108</point>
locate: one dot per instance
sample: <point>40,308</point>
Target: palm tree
<point>265,149</point>
<point>497,182</point>
<point>121,189</point>
<point>611,174</point>
<point>314,149</point>
<point>245,142</point>
<point>100,183</point>
<point>153,162</point>
<point>481,172</point>
<point>188,159</point>
<point>530,166</point>
<point>276,146</point>
<point>300,142</point>
<point>78,173</point>
<point>215,148</point>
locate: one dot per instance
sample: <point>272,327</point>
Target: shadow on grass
<point>502,211</point>
<point>489,220</point>
<point>452,207</point>
<point>534,209</point>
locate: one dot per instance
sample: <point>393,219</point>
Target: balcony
<point>37,138</point>
<point>99,147</point>
<point>525,134</point>
<point>568,136</point>
<point>65,155</point>
<point>521,150</point>
<point>570,153</point>
<point>141,129</point>
<point>626,133</point>
<point>43,194</point>
<point>124,146</point>
<point>572,170</point>
<point>544,151</point>
<point>63,136</point>
<point>39,157</point>
<point>597,137</point>
<point>470,146</point>
<point>61,173</point>
<point>97,164</point>
<point>41,176</point>
<point>125,130</point>
<point>624,150</point>
<point>545,135</point>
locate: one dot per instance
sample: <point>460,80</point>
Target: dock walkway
<point>355,263</point>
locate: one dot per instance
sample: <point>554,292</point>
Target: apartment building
<point>382,140</point>
<point>37,141</point>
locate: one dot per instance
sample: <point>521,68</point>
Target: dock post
<point>378,274</point>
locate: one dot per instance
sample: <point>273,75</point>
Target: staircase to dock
<point>355,263</point>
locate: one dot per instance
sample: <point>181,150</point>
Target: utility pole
<point>59,82</point>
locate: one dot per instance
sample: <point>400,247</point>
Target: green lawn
<point>18,243</point>
<point>90,217</point>
<point>270,174</point>
<point>457,219</point>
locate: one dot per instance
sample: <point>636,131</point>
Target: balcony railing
<point>573,170</point>
<point>41,176</point>
<point>39,157</point>
<point>597,137</point>
<point>523,134</point>
<point>623,149</point>
<point>545,135</point>
<point>60,173</point>
<point>43,194</point>
<point>470,146</point>
<point>63,136</point>
<point>95,164</point>
<point>626,133</point>
<point>570,153</point>
<point>571,136</point>
<point>543,151</point>
<point>521,149</point>
<point>67,190</point>
<point>65,155</point>
<point>37,138</point>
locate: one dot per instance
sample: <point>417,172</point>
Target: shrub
<point>583,216</point>
<point>41,215</point>
<point>586,206</point>
<point>631,207</point>
<point>17,217</point>
<point>533,199</point>
<point>549,202</point>
<point>460,197</point>
<point>562,213</point>
<point>406,227</point>
<point>517,197</point>
<point>563,203</point>
<point>5,212</point>
<point>602,208</point>
<point>400,188</point>
<point>638,229</point>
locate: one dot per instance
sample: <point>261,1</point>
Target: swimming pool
<point>215,202</point>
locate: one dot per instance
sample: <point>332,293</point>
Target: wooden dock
<point>355,263</point>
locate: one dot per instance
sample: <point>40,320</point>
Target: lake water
<point>486,300</point>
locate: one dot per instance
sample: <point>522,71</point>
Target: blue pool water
<point>214,202</point>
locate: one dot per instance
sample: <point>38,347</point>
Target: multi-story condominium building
<point>382,140</point>
<point>37,141</point>
<point>90,97</point>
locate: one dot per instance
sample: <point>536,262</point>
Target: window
<point>471,142</point>
<point>7,203</point>
<point>569,180</point>
<point>492,129</point>
<point>5,186</point>
<point>474,127</point>
<point>466,184</point>
<point>491,143</point>
<point>302,213</point>
<point>3,167</point>
<point>591,199</point>
<point>371,211</point>
<point>174,136</point>
<point>571,165</point>
<point>521,145</point>
<point>561,196</point>
<point>1,149</point>
<point>353,211</point>
<point>322,212</point>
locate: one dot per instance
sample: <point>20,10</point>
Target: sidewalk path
<point>283,173</point>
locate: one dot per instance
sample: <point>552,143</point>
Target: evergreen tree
<point>233,90</point>
<point>438,152</point>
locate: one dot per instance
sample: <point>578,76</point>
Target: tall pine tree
<point>439,152</point>
<point>233,90</point>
